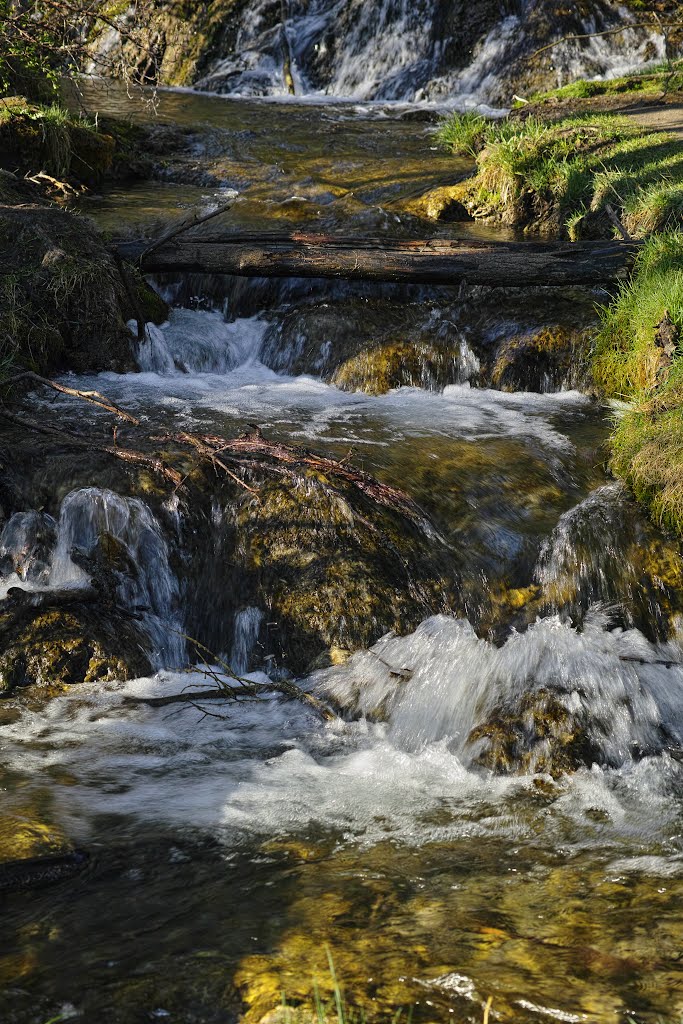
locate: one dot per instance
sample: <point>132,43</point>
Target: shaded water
<point>226,852</point>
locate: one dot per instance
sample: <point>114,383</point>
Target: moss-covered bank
<point>64,299</point>
<point>638,359</point>
<point>575,177</point>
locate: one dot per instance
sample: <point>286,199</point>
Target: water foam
<point>272,768</point>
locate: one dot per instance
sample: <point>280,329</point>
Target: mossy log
<point>435,261</point>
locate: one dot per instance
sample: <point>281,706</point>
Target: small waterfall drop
<point>199,341</point>
<point>100,526</point>
<point>247,627</point>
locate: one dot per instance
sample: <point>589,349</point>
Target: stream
<point>230,852</point>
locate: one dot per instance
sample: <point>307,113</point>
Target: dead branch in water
<point>224,677</point>
<point>250,451</point>
<point>252,446</point>
<point>151,462</point>
<point>94,397</point>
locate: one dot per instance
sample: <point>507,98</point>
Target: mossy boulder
<point>397,364</point>
<point>63,645</point>
<point>550,359</point>
<point>334,569</point>
<point>541,734</point>
<point>64,300</point>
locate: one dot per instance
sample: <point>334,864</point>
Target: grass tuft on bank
<point>655,79</point>
<point>48,139</point>
<point>639,358</point>
<point>570,176</point>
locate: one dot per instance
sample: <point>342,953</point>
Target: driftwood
<point>191,221</point>
<point>94,397</point>
<point>249,451</point>
<point>436,261</point>
<point>246,689</point>
<point>224,679</point>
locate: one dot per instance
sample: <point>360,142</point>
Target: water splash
<point>199,341</point>
<point>442,682</point>
<point>120,533</point>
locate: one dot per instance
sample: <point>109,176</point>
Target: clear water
<point>227,852</point>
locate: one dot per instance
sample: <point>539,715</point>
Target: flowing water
<point>417,49</point>
<point>229,849</point>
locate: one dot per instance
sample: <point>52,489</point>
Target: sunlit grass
<point>571,172</point>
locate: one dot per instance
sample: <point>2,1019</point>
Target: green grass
<point>650,79</point>
<point>626,357</point>
<point>563,175</point>
<point>37,137</point>
<point>647,443</point>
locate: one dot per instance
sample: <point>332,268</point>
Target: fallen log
<point>436,261</point>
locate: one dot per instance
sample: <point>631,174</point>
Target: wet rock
<point>26,545</point>
<point>550,359</point>
<point>335,570</point>
<point>401,364</point>
<point>63,645</point>
<point>541,734</point>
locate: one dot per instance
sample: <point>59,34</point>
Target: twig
<point>191,221</point>
<point>609,209</point>
<point>594,35</point>
<point>94,397</point>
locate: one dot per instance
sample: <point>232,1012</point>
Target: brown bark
<point>436,261</point>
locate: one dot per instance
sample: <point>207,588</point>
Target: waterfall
<point>247,626</point>
<point>199,341</point>
<point>442,682</point>
<point>430,50</point>
<point>36,553</point>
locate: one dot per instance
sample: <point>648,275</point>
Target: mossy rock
<point>547,360</point>
<point>446,203</point>
<point>397,364</point>
<point>335,570</point>
<point>539,735</point>
<point>59,646</point>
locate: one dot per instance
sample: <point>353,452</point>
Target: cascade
<point>430,50</point>
<point>443,682</point>
<point>37,553</point>
<point>246,632</point>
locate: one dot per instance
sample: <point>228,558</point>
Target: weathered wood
<point>435,261</point>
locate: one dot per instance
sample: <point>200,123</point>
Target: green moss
<point>63,301</point>
<point>335,568</point>
<point>59,647</point>
<point>562,175</point>
<point>36,138</point>
<point>652,79</point>
<point>551,357</point>
<point>398,364</point>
